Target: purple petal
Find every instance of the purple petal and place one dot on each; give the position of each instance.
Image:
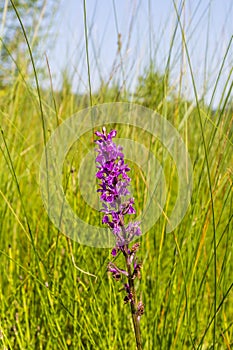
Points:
(112, 134)
(99, 159)
(99, 134)
(105, 219)
(114, 252)
(131, 210)
(99, 174)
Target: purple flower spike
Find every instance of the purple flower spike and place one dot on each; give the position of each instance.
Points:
(114, 182)
(116, 204)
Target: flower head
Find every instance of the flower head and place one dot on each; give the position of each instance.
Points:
(113, 188)
(112, 172)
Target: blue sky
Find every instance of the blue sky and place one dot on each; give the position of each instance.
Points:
(146, 29)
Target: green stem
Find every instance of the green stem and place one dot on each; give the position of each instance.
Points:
(135, 318)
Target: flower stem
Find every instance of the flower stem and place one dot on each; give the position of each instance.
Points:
(135, 318)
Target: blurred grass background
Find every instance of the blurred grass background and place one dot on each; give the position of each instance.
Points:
(47, 300)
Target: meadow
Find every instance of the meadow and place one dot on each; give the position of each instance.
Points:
(56, 293)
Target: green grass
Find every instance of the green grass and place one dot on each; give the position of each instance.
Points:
(55, 293)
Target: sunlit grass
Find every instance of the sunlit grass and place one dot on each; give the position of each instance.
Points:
(47, 302)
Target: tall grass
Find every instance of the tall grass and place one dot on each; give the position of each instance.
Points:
(55, 293)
